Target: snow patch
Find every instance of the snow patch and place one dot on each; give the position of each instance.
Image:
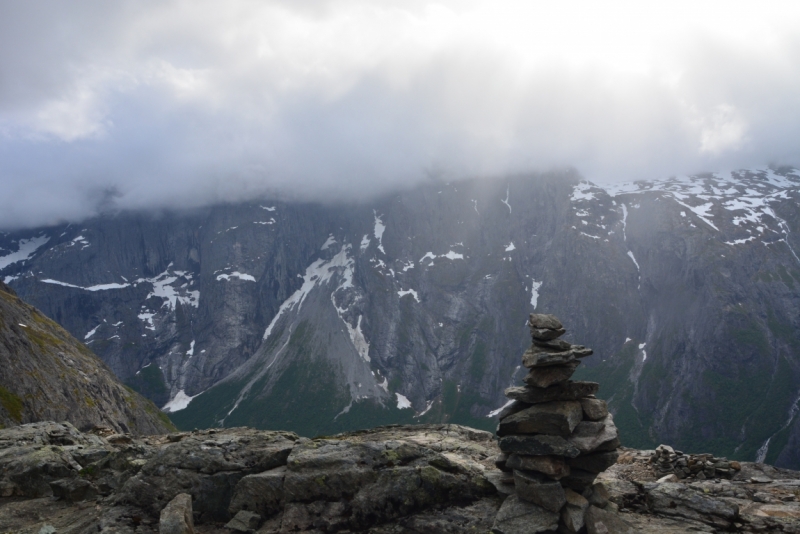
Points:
(330, 241)
(268, 208)
(510, 247)
(364, 242)
(494, 413)
(506, 201)
(237, 274)
(535, 292)
(316, 274)
(411, 292)
(91, 332)
(402, 402)
(378, 231)
(190, 352)
(147, 317)
(630, 255)
(179, 402)
(26, 249)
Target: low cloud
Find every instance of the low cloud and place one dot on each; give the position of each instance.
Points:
(175, 104)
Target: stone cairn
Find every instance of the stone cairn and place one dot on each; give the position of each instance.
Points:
(667, 461)
(555, 435)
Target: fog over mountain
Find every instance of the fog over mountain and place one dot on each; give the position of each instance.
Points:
(174, 104)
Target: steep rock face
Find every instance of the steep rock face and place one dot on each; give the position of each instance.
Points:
(324, 318)
(47, 375)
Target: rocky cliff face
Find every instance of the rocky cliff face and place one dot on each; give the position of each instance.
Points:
(48, 375)
(324, 318)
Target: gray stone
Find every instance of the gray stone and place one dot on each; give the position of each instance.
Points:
(578, 480)
(594, 409)
(542, 320)
(553, 466)
(539, 489)
(520, 517)
(596, 462)
(677, 499)
(599, 495)
(542, 377)
(556, 345)
(546, 334)
(557, 418)
(592, 435)
(244, 521)
(176, 517)
(564, 391)
(599, 521)
(73, 489)
(500, 462)
(572, 515)
(553, 353)
(261, 493)
(538, 446)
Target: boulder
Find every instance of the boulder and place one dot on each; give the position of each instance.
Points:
(545, 321)
(538, 446)
(594, 409)
(176, 517)
(592, 435)
(512, 408)
(261, 493)
(676, 499)
(520, 517)
(599, 521)
(596, 462)
(558, 392)
(542, 377)
(557, 418)
(553, 466)
(539, 489)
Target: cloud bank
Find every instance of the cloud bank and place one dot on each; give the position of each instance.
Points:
(154, 104)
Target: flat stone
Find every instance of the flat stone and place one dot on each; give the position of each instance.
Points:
(546, 334)
(556, 345)
(501, 461)
(668, 478)
(541, 320)
(538, 446)
(244, 521)
(176, 517)
(564, 391)
(592, 435)
(542, 377)
(596, 462)
(594, 409)
(540, 356)
(578, 480)
(552, 466)
(520, 517)
(557, 418)
(512, 408)
(539, 489)
(599, 521)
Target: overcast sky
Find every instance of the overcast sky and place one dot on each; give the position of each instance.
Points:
(183, 103)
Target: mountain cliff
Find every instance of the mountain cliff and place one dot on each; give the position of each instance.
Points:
(323, 318)
(48, 375)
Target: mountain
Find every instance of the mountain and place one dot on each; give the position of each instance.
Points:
(323, 318)
(46, 374)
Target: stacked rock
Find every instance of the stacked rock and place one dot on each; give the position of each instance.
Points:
(556, 437)
(667, 461)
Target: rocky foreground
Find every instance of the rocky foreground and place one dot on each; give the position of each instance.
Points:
(403, 479)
